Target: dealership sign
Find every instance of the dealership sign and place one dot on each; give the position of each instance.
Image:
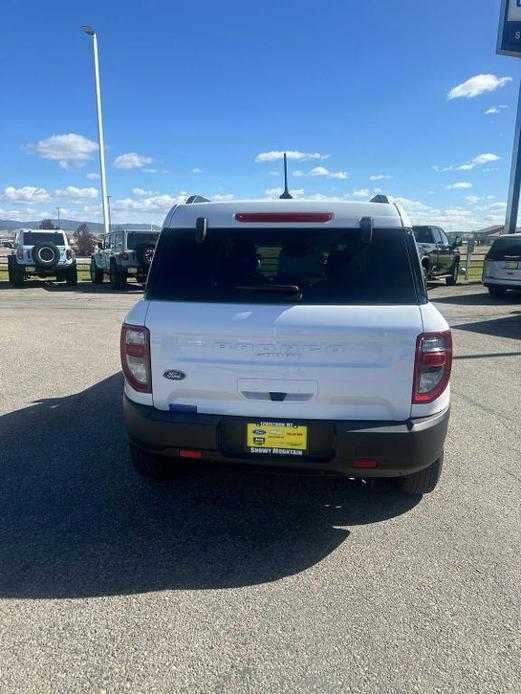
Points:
(509, 37)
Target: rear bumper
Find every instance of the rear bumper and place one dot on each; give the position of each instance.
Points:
(399, 448)
(507, 283)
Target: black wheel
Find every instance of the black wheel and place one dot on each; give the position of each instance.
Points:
(453, 279)
(16, 277)
(152, 466)
(424, 481)
(72, 277)
(497, 291)
(117, 277)
(45, 254)
(96, 275)
(145, 253)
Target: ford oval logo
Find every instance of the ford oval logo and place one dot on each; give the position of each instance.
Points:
(174, 375)
(259, 432)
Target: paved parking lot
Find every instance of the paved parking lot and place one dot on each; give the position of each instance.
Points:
(233, 582)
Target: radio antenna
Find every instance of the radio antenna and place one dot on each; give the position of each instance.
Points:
(286, 195)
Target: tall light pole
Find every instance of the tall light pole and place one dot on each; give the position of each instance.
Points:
(90, 32)
(59, 224)
(110, 216)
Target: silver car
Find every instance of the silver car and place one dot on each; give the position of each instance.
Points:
(502, 266)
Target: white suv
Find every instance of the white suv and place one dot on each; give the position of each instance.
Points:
(502, 265)
(42, 253)
(288, 333)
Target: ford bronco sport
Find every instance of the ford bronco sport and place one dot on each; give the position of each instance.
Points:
(42, 253)
(289, 333)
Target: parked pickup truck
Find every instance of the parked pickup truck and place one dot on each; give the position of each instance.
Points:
(440, 258)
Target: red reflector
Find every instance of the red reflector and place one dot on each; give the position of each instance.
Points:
(185, 453)
(124, 256)
(135, 350)
(431, 359)
(283, 217)
(365, 463)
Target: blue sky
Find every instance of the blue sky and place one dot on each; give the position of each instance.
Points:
(193, 93)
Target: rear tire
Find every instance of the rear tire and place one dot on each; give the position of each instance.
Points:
(16, 277)
(424, 481)
(152, 466)
(72, 277)
(453, 279)
(118, 279)
(497, 291)
(96, 275)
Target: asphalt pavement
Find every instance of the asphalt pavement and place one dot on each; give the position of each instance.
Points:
(232, 581)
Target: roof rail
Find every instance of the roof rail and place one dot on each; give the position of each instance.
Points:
(195, 198)
(380, 198)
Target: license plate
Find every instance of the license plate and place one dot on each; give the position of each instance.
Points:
(276, 438)
(30, 268)
(511, 265)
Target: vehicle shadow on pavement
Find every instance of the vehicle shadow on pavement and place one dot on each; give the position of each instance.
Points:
(81, 287)
(478, 299)
(508, 326)
(77, 521)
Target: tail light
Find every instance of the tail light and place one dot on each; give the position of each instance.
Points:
(432, 366)
(283, 217)
(124, 256)
(135, 357)
(20, 253)
(70, 253)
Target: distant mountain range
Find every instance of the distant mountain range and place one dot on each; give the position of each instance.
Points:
(70, 225)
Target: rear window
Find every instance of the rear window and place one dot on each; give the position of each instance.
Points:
(136, 238)
(423, 234)
(283, 266)
(504, 247)
(32, 237)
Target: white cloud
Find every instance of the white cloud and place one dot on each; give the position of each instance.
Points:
(93, 176)
(380, 177)
(150, 171)
(26, 194)
(273, 193)
(196, 170)
(479, 84)
(462, 185)
(362, 193)
(495, 109)
(64, 149)
(74, 193)
(141, 192)
(291, 154)
(131, 160)
(322, 171)
(222, 197)
(480, 160)
(412, 205)
(473, 199)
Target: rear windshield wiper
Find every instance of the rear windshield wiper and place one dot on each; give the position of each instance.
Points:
(292, 289)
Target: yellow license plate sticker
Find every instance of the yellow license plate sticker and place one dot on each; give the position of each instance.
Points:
(277, 438)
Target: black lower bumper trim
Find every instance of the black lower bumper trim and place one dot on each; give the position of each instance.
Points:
(399, 448)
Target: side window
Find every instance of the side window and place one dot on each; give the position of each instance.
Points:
(108, 241)
(444, 239)
(437, 235)
(119, 241)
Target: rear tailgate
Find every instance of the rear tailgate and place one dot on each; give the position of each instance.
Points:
(308, 362)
